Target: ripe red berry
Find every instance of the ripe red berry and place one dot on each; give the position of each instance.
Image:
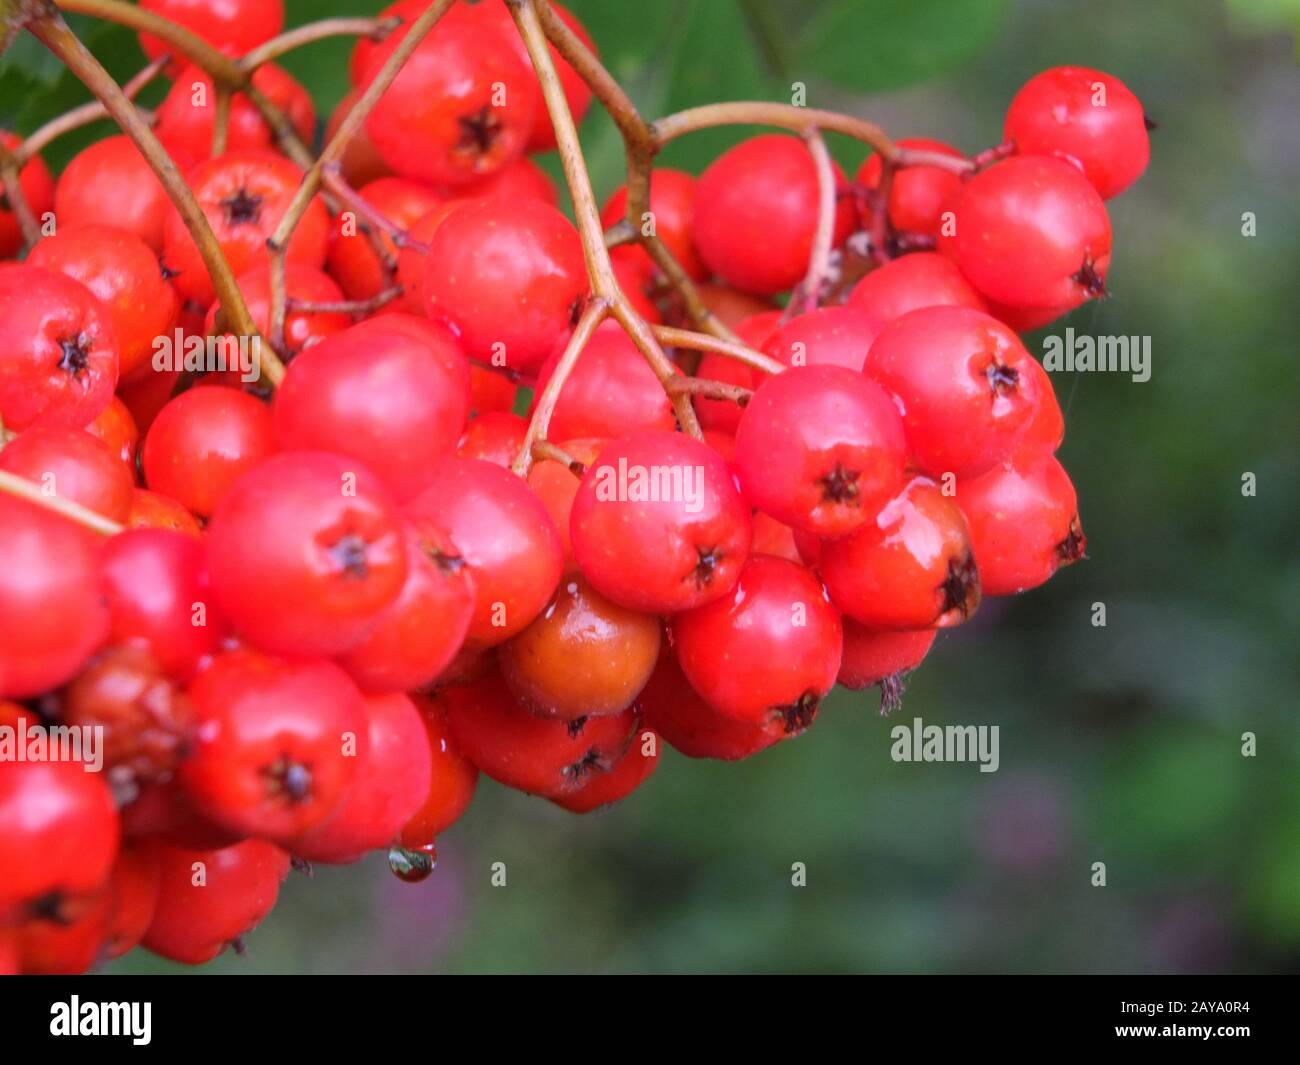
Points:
(117, 430)
(68, 940)
(451, 782)
(556, 485)
(38, 190)
(202, 442)
(841, 453)
(583, 654)
(829, 336)
(187, 117)
(210, 899)
(244, 195)
(521, 180)
(622, 778)
(392, 392)
(543, 756)
(462, 107)
(72, 465)
(277, 742)
(158, 597)
(756, 213)
(967, 388)
(361, 163)
(767, 653)
(305, 552)
(724, 415)
(417, 637)
(1024, 524)
(1085, 117)
(58, 352)
(51, 614)
(110, 179)
(153, 510)
(672, 203)
(1031, 231)
(352, 259)
(919, 194)
(60, 834)
(134, 884)
(504, 535)
(873, 656)
(233, 26)
(509, 278)
(302, 329)
(658, 525)
(611, 392)
(910, 282)
(391, 783)
(496, 437)
(909, 568)
(675, 710)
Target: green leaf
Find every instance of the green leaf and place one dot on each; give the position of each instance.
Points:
(883, 44)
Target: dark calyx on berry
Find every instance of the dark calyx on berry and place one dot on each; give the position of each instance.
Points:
(242, 208)
(76, 354)
(840, 485)
(797, 716)
(1003, 379)
(591, 762)
(891, 693)
(1093, 283)
(709, 559)
(290, 779)
(349, 554)
(446, 563)
(478, 131)
(961, 588)
(1072, 548)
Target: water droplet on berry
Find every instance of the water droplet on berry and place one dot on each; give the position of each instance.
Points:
(413, 864)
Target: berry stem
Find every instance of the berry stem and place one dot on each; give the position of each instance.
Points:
(11, 180)
(824, 239)
(763, 113)
(85, 114)
(221, 120)
(334, 181)
(599, 269)
(50, 29)
(25, 489)
(353, 307)
(597, 310)
(333, 153)
(685, 338)
(702, 386)
(374, 28)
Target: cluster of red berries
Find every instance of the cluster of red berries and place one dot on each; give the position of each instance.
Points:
(329, 609)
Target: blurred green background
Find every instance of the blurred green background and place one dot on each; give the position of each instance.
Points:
(1119, 744)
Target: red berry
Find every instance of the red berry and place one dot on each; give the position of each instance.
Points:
(58, 352)
(391, 783)
(392, 392)
(209, 899)
(496, 437)
(233, 26)
(462, 107)
(1031, 231)
(406, 12)
(756, 213)
(872, 656)
(509, 278)
(505, 536)
(352, 259)
(724, 415)
(38, 190)
(672, 203)
(967, 387)
(134, 884)
(153, 510)
(202, 442)
(158, 597)
(72, 465)
(612, 390)
(302, 329)
(361, 163)
(830, 336)
(910, 282)
(767, 653)
(657, 524)
(68, 940)
(117, 430)
(1086, 117)
(451, 783)
(583, 655)
(1024, 524)
(556, 485)
(244, 195)
(523, 179)
(417, 637)
(919, 194)
(674, 710)
(910, 568)
(277, 742)
(111, 179)
(51, 614)
(544, 756)
(841, 453)
(60, 834)
(622, 778)
(305, 553)
(186, 119)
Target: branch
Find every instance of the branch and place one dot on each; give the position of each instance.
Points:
(824, 238)
(353, 307)
(703, 386)
(25, 489)
(762, 113)
(684, 338)
(11, 179)
(595, 313)
(53, 32)
(374, 28)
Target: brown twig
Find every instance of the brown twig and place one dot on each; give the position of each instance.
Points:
(374, 28)
(703, 386)
(25, 489)
(357, 308)
(824, 239)
(11, 180)
(685, 338)
(544, 449)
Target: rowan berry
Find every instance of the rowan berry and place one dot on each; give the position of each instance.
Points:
(38, 191)
(232, 26)
(829, 336)
(918, 195)
(690, 725)
(134, 882)
(72, 465)
(910, 282)
(496, 437)
(153, 510)
(724, 414)
(352, 260)
(302, 328)
(619, 781)
(111, 179)
(451, 782)
(672, 209)
(873, 656)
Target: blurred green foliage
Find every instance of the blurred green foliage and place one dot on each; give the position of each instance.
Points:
(1120, 744)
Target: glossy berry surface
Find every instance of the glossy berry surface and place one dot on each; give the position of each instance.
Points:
(110, 179)
(918, 195)
(72, 465)
(690, 725)
(452, 779)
